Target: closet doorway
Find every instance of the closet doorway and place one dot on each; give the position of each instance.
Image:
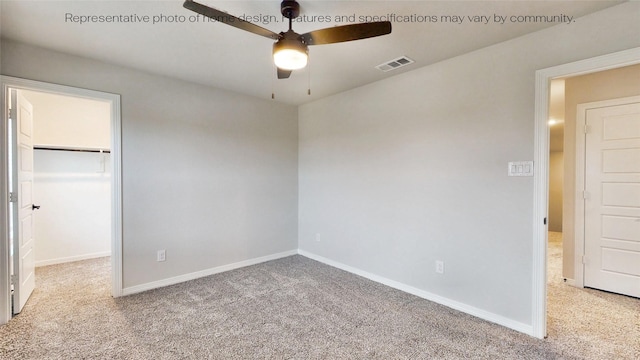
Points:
(71, 177)
(72, 162)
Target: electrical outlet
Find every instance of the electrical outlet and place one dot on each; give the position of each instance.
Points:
(162, 255)
(317, 237)
(440, 266)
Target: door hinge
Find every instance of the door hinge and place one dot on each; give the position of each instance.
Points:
(13, 197)
(13, 279)
(584, 259)
(585, 195)
(587, 129)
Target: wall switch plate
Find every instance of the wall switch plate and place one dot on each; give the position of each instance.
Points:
(521, 168)
(317, 237)
(162, 255)
(439, 266)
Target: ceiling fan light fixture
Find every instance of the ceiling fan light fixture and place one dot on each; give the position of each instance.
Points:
(290, 54)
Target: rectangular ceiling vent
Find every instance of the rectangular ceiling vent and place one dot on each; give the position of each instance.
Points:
(395, 64)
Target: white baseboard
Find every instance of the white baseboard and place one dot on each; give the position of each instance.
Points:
(203, 273)
(72, 258)
(482, 314)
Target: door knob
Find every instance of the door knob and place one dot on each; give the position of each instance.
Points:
(35, 207)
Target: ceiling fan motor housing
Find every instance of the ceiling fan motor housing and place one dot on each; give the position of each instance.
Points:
(290, 40)
(290, 9)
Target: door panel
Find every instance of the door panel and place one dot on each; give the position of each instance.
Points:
(621, 194)
(621, 227)
(620, 161)
(618, 127)
(24, 267)
(612, 207)
(621, 261)
(25, 194)
(26, 156)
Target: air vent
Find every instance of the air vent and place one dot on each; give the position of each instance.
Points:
(395, 64)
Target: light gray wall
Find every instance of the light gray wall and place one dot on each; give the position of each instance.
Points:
(209, 175)
(412, 169)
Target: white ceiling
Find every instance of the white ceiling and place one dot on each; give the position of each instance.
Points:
(218, 55)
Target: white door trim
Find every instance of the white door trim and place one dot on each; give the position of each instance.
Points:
(580, 179)
(541, 168)
(7, 82)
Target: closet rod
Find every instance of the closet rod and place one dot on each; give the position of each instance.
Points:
(71, 149)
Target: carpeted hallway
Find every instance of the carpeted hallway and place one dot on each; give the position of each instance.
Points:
(296, 308)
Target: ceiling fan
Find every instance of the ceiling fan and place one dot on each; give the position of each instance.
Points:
(290, 51)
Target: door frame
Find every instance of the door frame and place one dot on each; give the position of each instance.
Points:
(541, 168)
(8, 82)
(578, 215)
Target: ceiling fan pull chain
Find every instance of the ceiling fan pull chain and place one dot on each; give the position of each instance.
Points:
(309, 78)
(273, 95)
(273, 92)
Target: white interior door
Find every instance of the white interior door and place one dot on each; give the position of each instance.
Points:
(612, 204)
(24, 279)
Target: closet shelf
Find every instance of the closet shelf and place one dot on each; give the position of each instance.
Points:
(64, 148)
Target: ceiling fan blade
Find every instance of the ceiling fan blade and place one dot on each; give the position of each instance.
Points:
(283, 74)
(228, 19)
(347, 33)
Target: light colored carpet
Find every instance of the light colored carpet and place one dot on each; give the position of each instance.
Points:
(296, 308)
(602, 324)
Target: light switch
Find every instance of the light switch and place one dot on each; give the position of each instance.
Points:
(521, 168)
